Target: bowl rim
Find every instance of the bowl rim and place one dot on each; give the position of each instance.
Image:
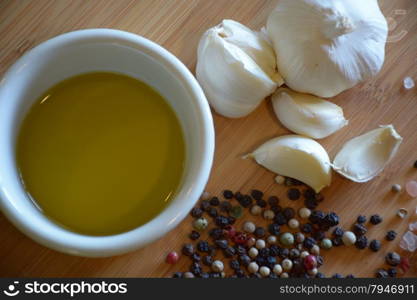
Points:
(102, 246)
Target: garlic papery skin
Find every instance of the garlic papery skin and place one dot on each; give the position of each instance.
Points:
(326, 47)
(297, 157)
(307, 114)
(236, 68)
(365, 156)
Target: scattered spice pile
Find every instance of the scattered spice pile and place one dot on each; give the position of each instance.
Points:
(289, 246)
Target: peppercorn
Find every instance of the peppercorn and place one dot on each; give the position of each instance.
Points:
(196, 269)
(277, 269)
(350, 276)
(315, 250)
(221, 221)
(273, 276)
(284, 275)
(274, 250)
(215, 275)
(232, 220)
(375, 245)
(256, 210)
(392, 272)
(361, 242)
(271, 261)
(253, 267)
(317, 216)
(222, 244)
(391, 235)
(205, 205)
(287, 239)
(196, 212)
(260, 244)
(286, 264)
(194, 235)
(338, 232)
(393, 259)
(326, 243)
(359, 229)
(280, 219)
(310, 262)
(245, 201)
(304, 213)
(225, 206)
(257, 194)
(381, 273)
(288, 212)
(337, 275)
(268, 214)
(236, 212)
(240, 238)
(259, 232)
(264, 252)
(227, 194)
(240, 250)
(349, 238)
(188, 249)
(207, 260)
(212, 212)
(261, 203)
(238, 196)
(204, 275)
(361, 219)
(196, 257)
(309, 242)
(319, 235)
(284, 252)
(293, 194)
(264, 271)
(178, 275)
(309, 193)
(251, 241)
(337, 241)
(229, 231)
(229, 251)
(234, 264)
(273, 201)
(244, 260)
(294, 253)
(332, 219)
(200, 224)
(203, 246)
(249, 227)
(306, 228)
(310, 203)
(375, 219)
(217, 266)
(239, 274)
(212, 250)
(299, 237)
(216, 233)
(172, 258)
(320, 275)
(293, 223)
(276, 209)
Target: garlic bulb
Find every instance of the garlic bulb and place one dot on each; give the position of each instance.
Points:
(236, 68)
(306, 114)
(365, 156)
(297, 157)
(326, 47)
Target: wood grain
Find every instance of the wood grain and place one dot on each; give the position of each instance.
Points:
(178, 25)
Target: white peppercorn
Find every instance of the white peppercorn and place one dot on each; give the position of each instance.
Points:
(313, 272)
(249, 227)
(264, 271)
(268, 214)
(277, 269)
(253, 267)
(315, 250)
(304, 213)
(272, 240)
(253, 252)
(293, 223)
(304, 254)
(260, 244)
(188, 275)
(217, 266)
(284, 275)
(286, 264)
(280, 179)
(287, 239)
(349, 238)
(256, 210)
(200, 224)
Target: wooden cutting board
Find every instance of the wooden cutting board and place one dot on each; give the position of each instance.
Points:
(178, 25)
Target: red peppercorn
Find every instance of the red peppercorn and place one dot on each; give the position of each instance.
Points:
(240, 238)
(172, 258)
(404, 264)
(310, 262)
(229, 231)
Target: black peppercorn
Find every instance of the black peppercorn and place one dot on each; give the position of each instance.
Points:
(310, 203)
(205, 205)
(284, 252)
(271, 261)
(273, 276)
(203, 246)
(212, 212)
(276, 209)
(238, 196)
(239, 273)
(361, 242)
(320, 275)
(178, 275)
(207, 260)
(280, 219)
(194, 235)
(257, 194)
(244, 260)
(309, 242)
(391, 235)
(337, 241)
(337, 275)
(216, 233)
(188, 249)
(204, 275)
(293, 194)
(196, 257)
(288, 212)
(215, 275)
(320, 260)
(392, 272)
(264, 252)
(240, 250)
(375, 245)
(274, 250)
(359, 229)
(306, 228)
(225, 206)
(234, 264)
(294, 253)
(381, 273)
(393, 259)
(309, 193)
(332, 219)
(196, 269)
(214, 201)
(261, 203)
(261, 261)
(221, 221)
(255, 275)
(229, 251)
(316, 217)
(273, 201)
(259, 232)
(375, 219)
(274, 228)
(350, 276)
(227, 194)
(222, 244)
(231, 220)
(338, 232)
(196, 212)
(212, 250)
(319, 235)
(361, 219)
(245, 201)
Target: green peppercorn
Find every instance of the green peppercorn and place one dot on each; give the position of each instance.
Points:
(287, 239)
(326, 243)
(236, 212)
(200, 224)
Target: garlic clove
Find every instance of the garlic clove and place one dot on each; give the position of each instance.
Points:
(236, 68)
(306, 114)
(297, 157)
(364, 157)
(326, 47)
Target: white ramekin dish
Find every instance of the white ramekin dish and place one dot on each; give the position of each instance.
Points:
(102, 50)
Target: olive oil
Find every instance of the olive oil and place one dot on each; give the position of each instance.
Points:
(101, 153)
